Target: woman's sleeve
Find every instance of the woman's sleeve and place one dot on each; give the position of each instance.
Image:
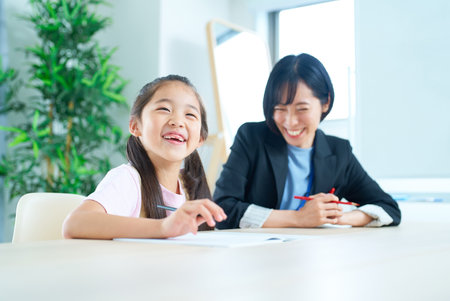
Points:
(234, 178)
(362, 189)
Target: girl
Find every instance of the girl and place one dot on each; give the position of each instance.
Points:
(167, 124)
(287, 156)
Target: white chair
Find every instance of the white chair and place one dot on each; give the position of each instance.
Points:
(39, 216)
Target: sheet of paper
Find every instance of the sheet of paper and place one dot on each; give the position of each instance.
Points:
(334, 226)
(223, 239)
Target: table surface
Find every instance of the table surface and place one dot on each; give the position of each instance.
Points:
(409, 262)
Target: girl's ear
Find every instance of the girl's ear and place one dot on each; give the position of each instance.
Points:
(134, 127)
(200, 143)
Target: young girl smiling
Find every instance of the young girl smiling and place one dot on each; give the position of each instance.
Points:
(167, 125)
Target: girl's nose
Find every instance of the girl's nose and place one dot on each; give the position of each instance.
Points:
(175, 122)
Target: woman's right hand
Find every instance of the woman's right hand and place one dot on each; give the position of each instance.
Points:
(318, 211)
(190, 215)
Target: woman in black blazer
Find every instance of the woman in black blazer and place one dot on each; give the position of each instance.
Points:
(288, 155)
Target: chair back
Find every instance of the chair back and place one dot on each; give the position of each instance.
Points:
(40, 215)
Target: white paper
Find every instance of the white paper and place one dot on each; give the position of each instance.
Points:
(223, 239)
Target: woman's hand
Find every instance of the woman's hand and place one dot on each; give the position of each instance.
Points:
(190, 215)
(318, 211)
(355, 218)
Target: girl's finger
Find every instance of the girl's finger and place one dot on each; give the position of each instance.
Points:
(193, 226)
(216, 210)
(206, 214)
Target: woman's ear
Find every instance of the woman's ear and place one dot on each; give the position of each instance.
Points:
(326, 106)
(133, 127)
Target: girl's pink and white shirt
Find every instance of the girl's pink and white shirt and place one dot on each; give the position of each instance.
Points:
(119, 192)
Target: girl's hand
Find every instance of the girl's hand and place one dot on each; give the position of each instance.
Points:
(319, 211)
(190, 215)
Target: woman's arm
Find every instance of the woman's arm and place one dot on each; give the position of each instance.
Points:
(90, 220)
(230, 191)
(355, 218)
(316, 212)
(362, 189)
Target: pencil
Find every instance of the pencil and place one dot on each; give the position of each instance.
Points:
(307, 198)
(166, 207)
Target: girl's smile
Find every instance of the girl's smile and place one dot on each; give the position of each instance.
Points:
(174, 137)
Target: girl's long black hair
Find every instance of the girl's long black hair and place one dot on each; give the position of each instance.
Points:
(193, 175)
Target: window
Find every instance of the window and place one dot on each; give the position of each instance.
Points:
(326, 31)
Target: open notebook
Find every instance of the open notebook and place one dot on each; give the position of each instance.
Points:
(223, 239)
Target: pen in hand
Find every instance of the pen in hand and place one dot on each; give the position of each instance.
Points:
(166, 207)
(307, 198)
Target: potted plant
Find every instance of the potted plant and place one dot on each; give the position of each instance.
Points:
(63, 136)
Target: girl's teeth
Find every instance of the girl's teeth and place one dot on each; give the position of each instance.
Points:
(174, 138)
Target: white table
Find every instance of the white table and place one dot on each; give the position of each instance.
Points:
(409, 262)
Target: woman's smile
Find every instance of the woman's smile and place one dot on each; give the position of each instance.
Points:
(294, 133)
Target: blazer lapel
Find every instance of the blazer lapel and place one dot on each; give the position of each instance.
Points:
(324, 165)
(276, 150)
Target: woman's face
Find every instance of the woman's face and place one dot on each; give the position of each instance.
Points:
(298, 121)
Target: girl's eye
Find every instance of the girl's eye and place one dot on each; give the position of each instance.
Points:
(279, 109)
(163, 109)
(191, 115)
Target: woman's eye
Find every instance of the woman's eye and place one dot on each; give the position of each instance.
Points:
(279, 109)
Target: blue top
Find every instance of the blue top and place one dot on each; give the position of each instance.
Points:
(299, 177)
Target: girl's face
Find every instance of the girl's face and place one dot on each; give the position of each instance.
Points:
(170, 123)
(299, 120)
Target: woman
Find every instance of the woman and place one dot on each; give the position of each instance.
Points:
(287, 156)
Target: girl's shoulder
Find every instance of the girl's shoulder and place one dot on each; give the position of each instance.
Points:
(124, 171)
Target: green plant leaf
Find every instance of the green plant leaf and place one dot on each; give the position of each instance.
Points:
(65, 10)
(115, 97)
(35, 120)
(35, 149)
(22, 137)
(11, 129)
(43, 133)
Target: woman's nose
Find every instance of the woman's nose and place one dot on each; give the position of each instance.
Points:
(291, 118)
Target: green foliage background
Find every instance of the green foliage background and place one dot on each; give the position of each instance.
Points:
(64, 137)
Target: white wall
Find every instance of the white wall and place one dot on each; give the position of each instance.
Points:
(402, 75)
(183, 44)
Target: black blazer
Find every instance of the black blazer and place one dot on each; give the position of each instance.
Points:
(256, 170)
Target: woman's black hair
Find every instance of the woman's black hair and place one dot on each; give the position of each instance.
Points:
(193, 175)
(286, 74)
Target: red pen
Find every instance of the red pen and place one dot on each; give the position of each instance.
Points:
(307, 198)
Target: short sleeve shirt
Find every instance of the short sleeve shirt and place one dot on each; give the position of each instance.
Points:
(119, 192)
